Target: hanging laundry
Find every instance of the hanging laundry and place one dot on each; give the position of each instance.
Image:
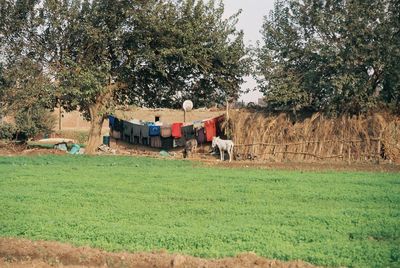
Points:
(155, 142)
(176, 130)
(111, 121)
(127, 133)
(154, 130)
(179, 142)
(200, 136)
(188, 132)
(211, 130)
(144, 135)
(136, 134)
(198, 124)
(166, 131)
(117, 125)
(121, 128)
(116, 134)
(167, 143)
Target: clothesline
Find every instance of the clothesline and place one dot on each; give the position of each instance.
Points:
(162, 136)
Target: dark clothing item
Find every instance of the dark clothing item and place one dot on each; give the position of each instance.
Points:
(154, 130)
(134, 133)
(144, 135)
(111, 121)
(117, 125)
(144, 131)
(155, 142)
(167, 143)
(136, 130)
(121, 128)
(126, 134)
(220, 131)
(188, 132)
(201, 136)
(180, 142)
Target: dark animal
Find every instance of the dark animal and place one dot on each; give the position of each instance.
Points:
(190, 148)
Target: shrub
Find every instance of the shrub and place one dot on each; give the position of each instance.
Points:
(7, 131)
(33, 121)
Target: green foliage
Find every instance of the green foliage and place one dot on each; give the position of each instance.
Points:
(142, 204)
(7, 131)
(34, 120)
(333, 56)
(99, 54)
(27, 94)
(192, 53)
(81, 136)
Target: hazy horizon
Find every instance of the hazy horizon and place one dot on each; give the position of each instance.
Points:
(250, 21)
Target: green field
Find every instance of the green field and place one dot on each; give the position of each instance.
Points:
(143, 204)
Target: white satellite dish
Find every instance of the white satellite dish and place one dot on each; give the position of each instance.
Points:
(187, 105)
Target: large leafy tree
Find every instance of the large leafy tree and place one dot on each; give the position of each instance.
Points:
(192, 53)
(25, 89)
(98, 54)
(333, 56)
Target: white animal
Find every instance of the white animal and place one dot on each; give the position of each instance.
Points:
(223, 145)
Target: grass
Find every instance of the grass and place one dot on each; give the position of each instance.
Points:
(142, 204)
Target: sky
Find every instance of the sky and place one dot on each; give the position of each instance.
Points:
(250, 21)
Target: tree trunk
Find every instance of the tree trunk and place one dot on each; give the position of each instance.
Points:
(96, 124)
(97, 115)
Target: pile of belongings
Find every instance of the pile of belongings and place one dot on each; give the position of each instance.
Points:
(63, 144)
(165, 136)
(106, 149)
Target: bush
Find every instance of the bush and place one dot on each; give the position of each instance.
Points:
(7, 131)
(33, 121)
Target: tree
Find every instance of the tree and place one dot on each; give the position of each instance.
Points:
(97, 54)
(192, 53)
(153, 53)
(28, 95)
(331, 56)
(25, 90)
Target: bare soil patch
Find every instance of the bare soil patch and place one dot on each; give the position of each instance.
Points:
(26, 253)
(204, 157)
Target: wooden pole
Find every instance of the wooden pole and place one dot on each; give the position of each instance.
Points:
(59, 115)
(227, 130)
(227, 109)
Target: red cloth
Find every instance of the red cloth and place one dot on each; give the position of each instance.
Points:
(176, 130)
(211, 129)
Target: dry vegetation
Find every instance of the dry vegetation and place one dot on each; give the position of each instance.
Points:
(353, 139)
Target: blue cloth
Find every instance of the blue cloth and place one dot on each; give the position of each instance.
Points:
(154, 130)
(111, 121)
(75, 149)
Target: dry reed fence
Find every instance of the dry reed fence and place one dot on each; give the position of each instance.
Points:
(278, 138)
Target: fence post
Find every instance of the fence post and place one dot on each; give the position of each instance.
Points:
(349, 153)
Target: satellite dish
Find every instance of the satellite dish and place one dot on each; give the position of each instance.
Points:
(187, 105)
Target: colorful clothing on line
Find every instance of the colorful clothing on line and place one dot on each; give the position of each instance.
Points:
(166, 131)
(210, 128)
(176, 130)
(188, 132)
(154, 130)
(201, 136)
(155, 142)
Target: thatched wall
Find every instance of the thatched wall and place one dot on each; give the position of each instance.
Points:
(278, 138)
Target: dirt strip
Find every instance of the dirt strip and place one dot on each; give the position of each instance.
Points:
(26, 253)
